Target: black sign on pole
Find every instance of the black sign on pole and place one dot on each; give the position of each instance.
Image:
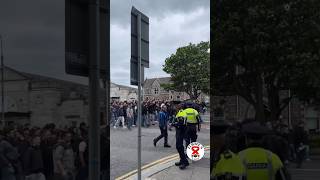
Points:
(77, 37)
(134, 73)
(134, 45)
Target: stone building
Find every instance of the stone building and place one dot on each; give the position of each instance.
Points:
(38, 100)
(152, 90)
(236, 108)
(121, 93)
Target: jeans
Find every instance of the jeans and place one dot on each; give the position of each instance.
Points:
(292, 152)
(164, 134)
(129, 122)
(307, 152)
(113, 119)
(200, 119)
(152, 118)
(156, 115)
(145, 121)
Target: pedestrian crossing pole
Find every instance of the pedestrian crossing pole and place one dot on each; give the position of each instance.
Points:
(289, 109)
(139, 96)
(94, 90)
(2, 86)
(139, 40)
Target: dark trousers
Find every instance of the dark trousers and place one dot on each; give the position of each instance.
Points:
(191, 134)
(180, 132)
(83, 173)
(135, 119)
(164, 134)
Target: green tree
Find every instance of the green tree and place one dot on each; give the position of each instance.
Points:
(189, 69)
(262, 47)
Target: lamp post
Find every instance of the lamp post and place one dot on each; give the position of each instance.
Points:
(237, 97)
(2, 86)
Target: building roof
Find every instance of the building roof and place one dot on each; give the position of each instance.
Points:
(65, 86)
(125, 87)
(163, 80)
(41, 78)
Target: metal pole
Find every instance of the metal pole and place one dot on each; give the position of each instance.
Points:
(2, 86)
(94, 85)
(237, 107)
(237, 73)
(289, 109)
(108, 87)
(139, 96)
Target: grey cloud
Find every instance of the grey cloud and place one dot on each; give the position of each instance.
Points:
(166, 35)
(152, 8)
(33, 31)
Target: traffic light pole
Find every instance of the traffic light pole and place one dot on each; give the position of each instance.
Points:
(2, 86)
(94, 85)
(139, 96)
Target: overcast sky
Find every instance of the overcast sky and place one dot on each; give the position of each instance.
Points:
(33, 33)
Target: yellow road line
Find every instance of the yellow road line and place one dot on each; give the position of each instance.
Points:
(167, 158)
(159, 161)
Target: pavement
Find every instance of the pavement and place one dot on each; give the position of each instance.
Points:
(158, 162)
(123, 148)
(164, 169)
(197, 170)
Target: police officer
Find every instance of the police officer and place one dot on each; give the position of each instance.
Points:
(225, 164)
(260, 163)
(180, 124)
(193, 123)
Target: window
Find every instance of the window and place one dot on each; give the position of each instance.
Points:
(156, 91)
(72, 116)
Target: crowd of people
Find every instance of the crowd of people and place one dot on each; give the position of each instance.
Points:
(291, 145)
(251, 149)
(31, 153)
(124, 113)
(52, 153)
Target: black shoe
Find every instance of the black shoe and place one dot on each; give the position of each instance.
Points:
(183, 166)
(154, 143)
(178, 163)
(167, 146)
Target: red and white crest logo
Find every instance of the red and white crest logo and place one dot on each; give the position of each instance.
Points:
(195, 151)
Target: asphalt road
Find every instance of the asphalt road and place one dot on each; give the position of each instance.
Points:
(123, 146)
(310, 170)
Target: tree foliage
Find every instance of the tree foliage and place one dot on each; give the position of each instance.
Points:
(262, 47)
(189, 69)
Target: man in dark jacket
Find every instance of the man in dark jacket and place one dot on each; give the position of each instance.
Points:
(47, 146)
(300, 141)
(8, 156)
(32, 160)
(163, 124)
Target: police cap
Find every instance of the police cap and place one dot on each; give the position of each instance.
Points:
(254, 129)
